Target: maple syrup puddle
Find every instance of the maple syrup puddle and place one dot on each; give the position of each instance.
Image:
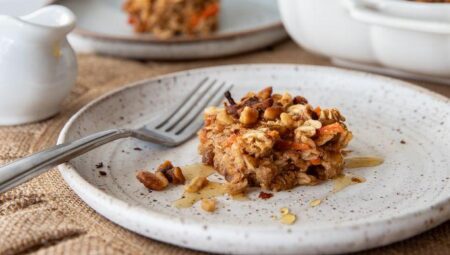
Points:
(216, 189)
(213, 189)
(357, 162)
(196, 170)
(240, 197)
(345, 180)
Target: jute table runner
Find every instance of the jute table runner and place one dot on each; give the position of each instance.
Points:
(45, 217)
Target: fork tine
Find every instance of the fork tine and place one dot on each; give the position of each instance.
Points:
(186, 108)
(165, 120)
(191, 126)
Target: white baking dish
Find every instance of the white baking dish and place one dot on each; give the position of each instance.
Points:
(324, 27)
(403, 35)
(408, 36)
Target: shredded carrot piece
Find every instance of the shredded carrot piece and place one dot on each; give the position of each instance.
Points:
(318, 110)
(315, 162)
(229, 141)
(209, 11)
(300, 146)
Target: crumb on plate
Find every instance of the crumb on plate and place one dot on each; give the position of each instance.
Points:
(209, 204)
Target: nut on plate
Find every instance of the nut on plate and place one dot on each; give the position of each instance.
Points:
(209, 204)
(152, 181)
(173, 174)
(165, 173)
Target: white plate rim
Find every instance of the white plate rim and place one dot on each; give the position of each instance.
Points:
(440, 210)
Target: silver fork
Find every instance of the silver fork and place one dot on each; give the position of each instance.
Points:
(171, 129)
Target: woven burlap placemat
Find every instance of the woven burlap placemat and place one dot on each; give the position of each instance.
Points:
(44, 216)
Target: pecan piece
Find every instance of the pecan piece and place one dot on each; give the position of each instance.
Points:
(152, 181)
(272, 113)
(173, 174)
(265, 93)
(166, 165)
(249, 116)
(300, 100)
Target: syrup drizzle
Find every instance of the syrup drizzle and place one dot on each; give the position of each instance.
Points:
(357, 162)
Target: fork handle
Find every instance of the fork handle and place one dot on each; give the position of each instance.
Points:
(22, 170)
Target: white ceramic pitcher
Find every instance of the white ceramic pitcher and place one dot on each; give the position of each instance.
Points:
(37, 65)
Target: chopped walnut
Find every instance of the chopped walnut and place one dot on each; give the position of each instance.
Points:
(173, 174)
(209, 204)
(285, 100)
(272, 113)
(153, 181)
(287, 120)
(165, 173)
(265, 93)
(249, 116)
(224, 118)
(300, 100)
(197, 184)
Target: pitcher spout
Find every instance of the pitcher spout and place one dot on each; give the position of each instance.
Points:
(58, 20)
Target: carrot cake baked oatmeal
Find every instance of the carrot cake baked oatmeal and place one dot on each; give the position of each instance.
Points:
(273, 141)
(168, 18)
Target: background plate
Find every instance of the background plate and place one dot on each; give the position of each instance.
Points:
(406, 195)
(244, 25)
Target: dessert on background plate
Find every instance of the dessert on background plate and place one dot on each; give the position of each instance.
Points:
(168, 18)
(169, 29)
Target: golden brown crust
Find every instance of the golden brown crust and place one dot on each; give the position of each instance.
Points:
(273, 141)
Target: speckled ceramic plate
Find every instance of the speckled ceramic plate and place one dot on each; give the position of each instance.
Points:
(408, 194)
(244, 25)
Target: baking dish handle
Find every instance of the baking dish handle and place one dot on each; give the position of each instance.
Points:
(369, 12)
